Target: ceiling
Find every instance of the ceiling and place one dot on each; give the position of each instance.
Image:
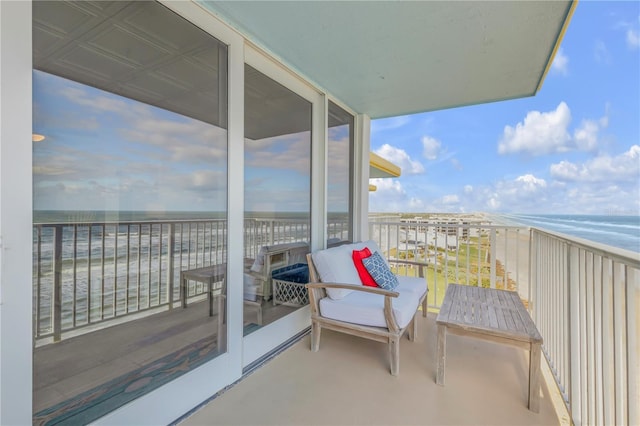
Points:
(140, 50)
(389, 58)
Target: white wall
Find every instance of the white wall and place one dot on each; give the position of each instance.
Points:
(15, 213)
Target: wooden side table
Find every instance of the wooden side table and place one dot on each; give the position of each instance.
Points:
(494, 315)
(207, 275)
(210, 275)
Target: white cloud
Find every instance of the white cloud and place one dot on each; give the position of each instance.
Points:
(540, 133)
(430, 147)
(586, 136)
(530, 182)
(390, 196)
(455, 163)
(560, 63)
(400, 158)
(601, 53)
(389, 123)
(604, 168)
(548, 132)
(633, 39)
(450, 199)
(468, 189)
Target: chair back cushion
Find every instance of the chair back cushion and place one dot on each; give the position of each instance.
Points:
(335, 265)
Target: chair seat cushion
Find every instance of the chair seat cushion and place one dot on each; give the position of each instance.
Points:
(368, 309)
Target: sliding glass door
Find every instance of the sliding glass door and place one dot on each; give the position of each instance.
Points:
(277, 200)
(130, 203)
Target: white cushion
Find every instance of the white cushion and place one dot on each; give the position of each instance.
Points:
(415, 285)
(368, 309)
(250, 288)
(258, 264)
(335, 265)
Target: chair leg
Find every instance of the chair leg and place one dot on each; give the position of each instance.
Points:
(424, 306)
(394, 354)
(413, 328)
(315, 336)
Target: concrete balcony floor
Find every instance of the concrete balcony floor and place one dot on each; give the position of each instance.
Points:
(347, 382)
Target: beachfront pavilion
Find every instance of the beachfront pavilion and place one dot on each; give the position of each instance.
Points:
(237, 88)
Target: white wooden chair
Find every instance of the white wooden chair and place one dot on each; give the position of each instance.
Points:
(369, 312)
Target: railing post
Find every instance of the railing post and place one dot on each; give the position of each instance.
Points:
(38, 313)
(57, 284)
(271, 231)
(533, 264)
(575, 400)
(633, 374)
(170, 267)
(492, 248)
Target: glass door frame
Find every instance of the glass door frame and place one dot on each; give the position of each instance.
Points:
(268, 338)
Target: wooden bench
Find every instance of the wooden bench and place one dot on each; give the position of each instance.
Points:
(494, 315)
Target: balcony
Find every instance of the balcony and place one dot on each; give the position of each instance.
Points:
(582, 296)
(347, 382)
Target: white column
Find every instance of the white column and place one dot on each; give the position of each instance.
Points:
(361, 181)
(15, 214)
(319, 153)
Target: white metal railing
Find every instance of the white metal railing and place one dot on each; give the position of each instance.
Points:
(88, 273)
(585, 299)
(474, 254)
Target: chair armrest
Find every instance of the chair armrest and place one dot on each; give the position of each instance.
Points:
(355, 287)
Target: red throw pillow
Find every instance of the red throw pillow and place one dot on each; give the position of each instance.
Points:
(365, 276)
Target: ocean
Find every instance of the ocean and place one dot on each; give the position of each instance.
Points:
(617, 231)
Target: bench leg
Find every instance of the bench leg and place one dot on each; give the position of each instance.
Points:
(442, 348)
(394, 354)
(534, 377)
(315, 336)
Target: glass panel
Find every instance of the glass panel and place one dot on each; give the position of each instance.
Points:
(277, 200)
(339, 177)
(129, 196)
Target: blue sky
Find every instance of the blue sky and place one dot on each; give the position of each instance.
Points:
(573, 148)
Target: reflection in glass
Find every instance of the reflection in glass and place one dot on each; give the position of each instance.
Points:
(277, 199)
(339, 176)
(129, 198)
